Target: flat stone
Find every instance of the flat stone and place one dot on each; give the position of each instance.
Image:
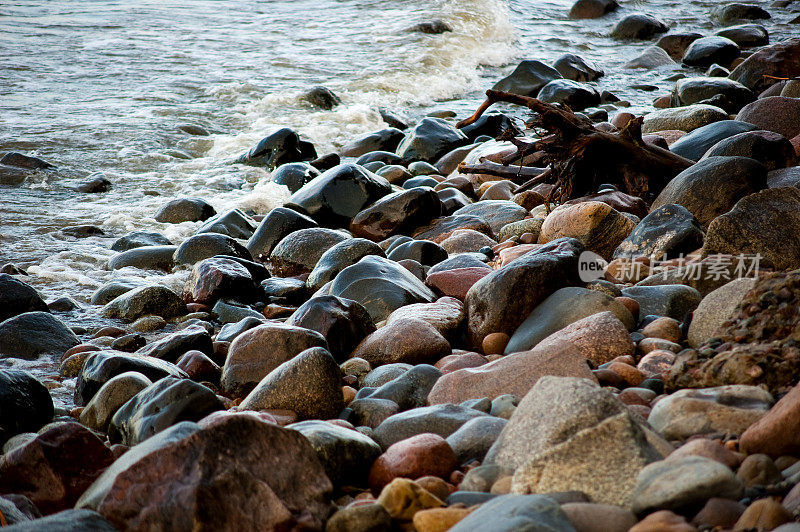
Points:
(686, 118)
(31, 334)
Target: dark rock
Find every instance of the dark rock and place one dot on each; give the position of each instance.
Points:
(756, 225)
(308, 384)
(333, 198)
(668, 231)
(434, 27)
(160, 406)
(185, 210)
(293, 175)
(575, 95)
(409, 389)
(397, 213)
(145, 258)
(55, 467)
(696, 90)
(675, 44)
(114, 289)
(380, 285)
(511, 513)
(25, 403)
(63, 304)
(452, 200)
(711, 187)
(233, 459)
(528, 78)
(279, 223)
(174, 345)
(385, 157)
(95, 184)
(496, 213)
(343, 323)
(321, 97)
(383, 374)
(491, 124)
(338, 257)
(429, 140)
(218, 278)
(443, 420)
(258, 351)
(638, 26)
(576, 68)
(746, 35)
(31, 334)
(66, 521)
(385, 140)
(674, 300)
(345, 454)
(233, 223)
(372, 412)
(694, 144)
(733, 12)
(784, 177)
(781, 60)
(230, 331)
(592, 8)
(144, 301)
(771, 149)
(423, 251)
(774, 113)
(199, 247)
(500, 301)
(409, 340)
(102, 366)
(82, 231)
(19, 160)
(138, 239)
(474, 438)
(709, 50)
(17, 297)
(285, 290)
(300, 251)
(199, 367)
(280, 147)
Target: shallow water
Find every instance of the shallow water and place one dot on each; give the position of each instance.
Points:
(104, 86)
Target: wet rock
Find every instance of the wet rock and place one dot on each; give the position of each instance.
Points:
(753, 225)
(102, 366)
(638, 26)
(576, 68)
(500, 301)
(418, 456)
(565, 307)
(405, 340)
(509, 513)
(384, 140)
(380, 285)
(601, 338)
(138, 239)
(496, 213)
(709, 50)
(443, 420)
(55, 467)
(674, 301)
(571, 93)
(446, 315)
(433, 27)
(218, 278)
(25, 403)
(145, 258)
(372, 412)
(745, 35)
(444, 227)
(185, 210)
(686, 118)
(17, 297)
(234, 223)
(397, 213)
(260, 350)
(31, 334)
(280, 147)
(308, 384)
(701, 89)
(491, 124)
(780, 60)
(562, 437)
(345, 454)
(424, 252)
(695, 144)
(513, 374)
(597, 226)
(278, 224)
(343, 322)
(775, 434)
(409, 389)
(473, 440)
(592, 8)
(114, 289)
(724, 409)
(651, 58)
(771, 149)
(378, 159)
(712, 187)
(338, 194)
(668, 231)
(528, 78)
(682, 483)
(338, 257)
(143, 301)
(236, 458)
(774, 113)
(321, 97)
(675, 44)
(429, 140)
(733, 12)
(204, 246)
(110, 397)
(173, 346)
(300, 251)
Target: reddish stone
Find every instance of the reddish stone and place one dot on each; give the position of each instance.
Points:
(218, 277)
(722, 513)
(419, 456)
(457, 282)
(606, 377)
(54, 468)
(656, 363)
(455, 362)
(408, 340)
(495, 343)
(199, 366)
(712, 449)
(642, 410)
(664, 328)
(632, 398)
(514, 252)
(778, 432)
(631, 375)
(197, 307)
(111, 331)
(82, 348)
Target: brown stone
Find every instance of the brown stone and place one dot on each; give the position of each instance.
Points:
(596, 225)
(665, 328)
(663, 521)
(774, 113)
(466, 241)
(403, 498)
(442, 228)
(439, 519)
(455, 362)
(718, 512)
(706, 448)
(435, 485)
(631, 375)
(515, 374)
(218, 277)
(456, 282)
(600, 338)
(778, 432)
(407, 340)
(593, 517)
(656, 363)
(199, 367)
(763, 514)
(419, 456)
(495, 343)
(759, 470)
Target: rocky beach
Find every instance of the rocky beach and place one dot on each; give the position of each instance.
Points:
(497, 267)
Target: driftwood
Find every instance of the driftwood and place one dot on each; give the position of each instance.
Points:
(579, 158)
